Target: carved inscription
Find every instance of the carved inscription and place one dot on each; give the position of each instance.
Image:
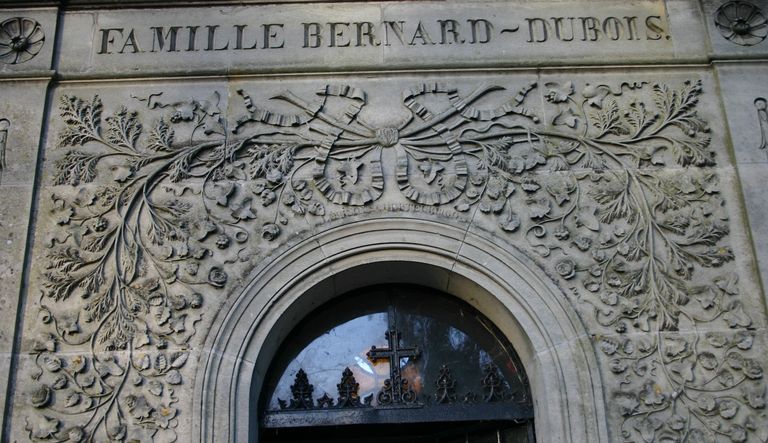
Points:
(568, 29)
(448, 31)
(615, 192)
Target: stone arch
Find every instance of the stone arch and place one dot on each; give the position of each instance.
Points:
(498, 280)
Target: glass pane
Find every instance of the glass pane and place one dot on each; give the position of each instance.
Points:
(461, 358)
(326, 357)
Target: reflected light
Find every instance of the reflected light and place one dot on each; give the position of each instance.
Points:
(363, 365)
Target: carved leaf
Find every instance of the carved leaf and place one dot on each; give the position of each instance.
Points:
(123, 129)
(76, 167)
(82, 120)
(161, 137)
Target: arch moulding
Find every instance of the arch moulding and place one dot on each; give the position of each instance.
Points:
(498, 280)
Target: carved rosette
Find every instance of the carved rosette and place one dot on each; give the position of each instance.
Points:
(741, 22)
(615, 193)
(21, 39)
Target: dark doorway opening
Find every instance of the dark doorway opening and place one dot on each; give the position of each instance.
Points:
(396, 363)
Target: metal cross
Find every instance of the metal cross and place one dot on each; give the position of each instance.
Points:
(396, 389)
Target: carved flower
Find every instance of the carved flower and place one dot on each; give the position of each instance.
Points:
(716, 339)
(267, 197)
(274, 176)
(744, 340)
(539, 208)
(726, 378)
(101, 224)
(735, 360)
(652, 394)
(60, 382)
(195, 301)
(270, 231)
(217, 277)
(609, 298)
(608, 345)
(138, 406)
(674, 346)
(647, 426)
(566, 268)
(222, 241)
(755, 397)
(562, 233)
(69, 323)
(707, 360)
(511, 223)
(752, 369)
(259, 186)
(164, 415)
(677, 422)
(583, 242)
(117, 432)
(45, 342)
(558, 93)
(76, 434)
(738, 434)
(316, 208)
(192, 268)
(200, 229)
(706, 403)
(46, 428)
(741, 22)
(41, 396)
(184, 111)
(728, 408)
(21, 39)
(617, 366)
(627, 403)
(77, 363)
(561, 188)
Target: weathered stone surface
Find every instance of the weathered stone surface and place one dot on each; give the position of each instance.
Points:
(27, 41)
(21, 113)
(392, 35)
(744, 96)
(183, 226)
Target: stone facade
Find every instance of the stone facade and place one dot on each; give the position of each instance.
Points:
(182, 184)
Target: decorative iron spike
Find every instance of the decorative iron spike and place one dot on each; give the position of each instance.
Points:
(445, 385)
(302, 392)
(348, 391)
(493, 384)
(325, 402)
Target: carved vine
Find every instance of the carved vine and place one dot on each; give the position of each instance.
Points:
(615, 193)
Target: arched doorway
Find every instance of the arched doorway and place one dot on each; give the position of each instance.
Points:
(496, 279)
(396, 363)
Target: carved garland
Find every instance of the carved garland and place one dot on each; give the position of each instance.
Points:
(615, 193)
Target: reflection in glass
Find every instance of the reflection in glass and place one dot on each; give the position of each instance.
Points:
(448, 334)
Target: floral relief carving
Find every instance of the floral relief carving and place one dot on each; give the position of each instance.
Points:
(741, 22)
(21, 39)
(614, 190)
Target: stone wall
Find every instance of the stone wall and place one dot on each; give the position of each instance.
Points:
(157, 161)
